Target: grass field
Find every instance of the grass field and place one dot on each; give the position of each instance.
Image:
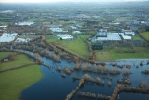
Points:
(136, 38)
(145, 35)
(14, 81)
(80, 47)
(4, 54)
(77, 46)
(109, 54)
(20, 60)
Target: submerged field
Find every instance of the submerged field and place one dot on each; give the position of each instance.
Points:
(14, 81)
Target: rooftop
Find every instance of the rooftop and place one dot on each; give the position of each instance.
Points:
(24, 23)
(110, 36)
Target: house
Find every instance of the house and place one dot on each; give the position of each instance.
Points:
(5, 60)
(58, 30)
(72, 27)
(102, 33)
(125, 37)
(65, 37)
(76, 32)
(128, 32)
(24, 23)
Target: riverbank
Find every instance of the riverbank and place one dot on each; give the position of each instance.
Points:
(14, 81)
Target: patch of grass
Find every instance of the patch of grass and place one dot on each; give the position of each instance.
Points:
(27, 36)
(4, 54)
(136, 38)
(77, 46)
(5, 23)
(36, 19)
(109, 54)
(145, 35)
(20, 60)
(13, 82)
(103, 56)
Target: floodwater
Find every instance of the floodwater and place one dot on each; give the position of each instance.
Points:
(53, 87)
(133, 96)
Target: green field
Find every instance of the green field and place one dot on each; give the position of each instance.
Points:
(80, 47)
(20, 60)
(4, 54)
(145, 35)
(77, 46)
(14, 81)
(109, 54)
(136, 38)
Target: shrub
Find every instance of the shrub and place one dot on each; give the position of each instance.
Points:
(115, 71)
(58, 68)
(126, 71)
(128, 66)
(68, 70)
(98, 80)
(141, 63)
(109, 83)
(143, 84)
(63, 75)
(77, 66)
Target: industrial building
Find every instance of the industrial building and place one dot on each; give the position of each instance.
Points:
(65, 37)
(103, 35)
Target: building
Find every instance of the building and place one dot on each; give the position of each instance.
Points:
(102, 33)
(73, 27)
(76, 32)
(8, 37)
(128, 32)
(24, 23)
(97, 46)
(58, 30)
(125, 37)
(65, 37)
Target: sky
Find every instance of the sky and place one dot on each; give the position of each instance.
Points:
(38, 1)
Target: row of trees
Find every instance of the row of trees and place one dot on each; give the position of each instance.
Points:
(87, 67)
(121, 88)
(69, 96)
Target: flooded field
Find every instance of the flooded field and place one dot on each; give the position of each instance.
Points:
(54, 87)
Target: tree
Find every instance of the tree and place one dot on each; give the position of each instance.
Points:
(12, 57)
(126, 71)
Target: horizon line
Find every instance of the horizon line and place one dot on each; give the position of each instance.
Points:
(75, 2)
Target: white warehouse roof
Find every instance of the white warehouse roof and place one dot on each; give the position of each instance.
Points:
(130, 33)
(110, 36)
(126, 37)
(65, 37)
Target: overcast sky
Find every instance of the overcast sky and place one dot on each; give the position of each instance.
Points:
(37, 1)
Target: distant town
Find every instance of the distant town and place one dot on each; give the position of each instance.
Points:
(44, 46)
